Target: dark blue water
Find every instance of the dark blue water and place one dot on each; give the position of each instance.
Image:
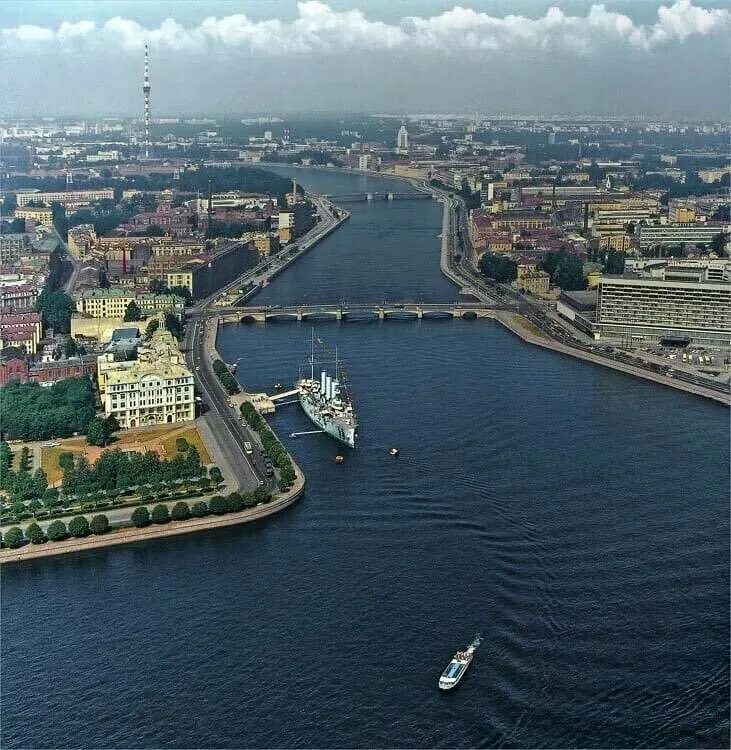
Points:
(577, 517)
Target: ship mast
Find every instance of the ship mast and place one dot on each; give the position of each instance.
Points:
(312, 353)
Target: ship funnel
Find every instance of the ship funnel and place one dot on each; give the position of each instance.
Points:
(335, 389)
(328, 388)
(322, 382)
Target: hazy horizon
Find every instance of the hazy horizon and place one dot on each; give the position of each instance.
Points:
(246, 58)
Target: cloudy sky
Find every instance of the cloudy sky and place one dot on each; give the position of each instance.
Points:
(77, 57)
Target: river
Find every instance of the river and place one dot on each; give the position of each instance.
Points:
(577, 517)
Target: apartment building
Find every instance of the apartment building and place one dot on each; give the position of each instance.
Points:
(113, 302)
(156, 389)
(669, 234)
(38, 214)
(657, 308)
(65, 197)
(22, 329)
(81, 240)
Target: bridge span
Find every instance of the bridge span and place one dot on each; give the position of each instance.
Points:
(359, 311)
(380, 196)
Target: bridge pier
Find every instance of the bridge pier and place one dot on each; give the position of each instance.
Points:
(419, 313)
(381, 314)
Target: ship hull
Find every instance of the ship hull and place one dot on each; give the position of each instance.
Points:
(343, 433)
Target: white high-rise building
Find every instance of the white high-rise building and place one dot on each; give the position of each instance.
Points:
(402, 139)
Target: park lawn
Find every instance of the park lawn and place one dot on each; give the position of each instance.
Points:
(165, 435)
(192, 435)
(49, 458)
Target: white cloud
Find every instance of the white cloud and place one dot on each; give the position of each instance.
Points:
(320, 29)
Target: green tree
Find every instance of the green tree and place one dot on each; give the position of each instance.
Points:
(96, 432)
(180, 512)
(152, 326)
(569, 274)
(141, 517)
(497, 266)
(69, 348)
(79, 526)
(718, 243)
(199, 509)
(133, 312)
(56, 531)
(56, 308)
(614, 263)
(34, 533)
(160, 514)
(234, 502)
(215, 474)
(181, 445)
(262, 495)
(218, 505)
(13, 537)
(99, 524)
(60, 223)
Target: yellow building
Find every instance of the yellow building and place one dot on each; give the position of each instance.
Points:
(156, 389)
(180, 278)
(265, 243)
(713, 175)
(113, 302)
(41, 215)
(533, 280)
(169, 247)
(681, 213)
(81, 240)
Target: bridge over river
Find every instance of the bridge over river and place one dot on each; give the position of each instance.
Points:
(390, 196)
(359, 311)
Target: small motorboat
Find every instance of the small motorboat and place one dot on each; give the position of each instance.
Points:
(339, 459)
(393, 451)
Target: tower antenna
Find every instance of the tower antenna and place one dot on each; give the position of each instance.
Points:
(146, 92)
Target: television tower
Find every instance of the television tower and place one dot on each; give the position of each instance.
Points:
(146, 92)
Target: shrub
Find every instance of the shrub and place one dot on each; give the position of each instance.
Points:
(99, 524)
(141, 517)
(215, 474)
(34, 533)
(160, 514)
(199, 509)
(13, 537)
(180, 512)
(181, 445)
(261, 495)
(79, 526)
(249, 500)
(56, 531)
(218, 505)
(234, 502)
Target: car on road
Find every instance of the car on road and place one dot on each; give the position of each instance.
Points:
(248, 449)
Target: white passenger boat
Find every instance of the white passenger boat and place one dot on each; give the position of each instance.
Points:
(458, 666)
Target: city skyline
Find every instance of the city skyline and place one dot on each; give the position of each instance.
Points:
(320, 57)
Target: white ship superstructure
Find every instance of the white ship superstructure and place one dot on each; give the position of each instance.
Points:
(458, 666)
(326, 400)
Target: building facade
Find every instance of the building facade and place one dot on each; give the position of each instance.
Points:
(113, 302)
(652, 308)
(156, 389)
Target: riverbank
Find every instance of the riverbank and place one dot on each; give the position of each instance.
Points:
(332, 218)
(173, 528)
(524, 329)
